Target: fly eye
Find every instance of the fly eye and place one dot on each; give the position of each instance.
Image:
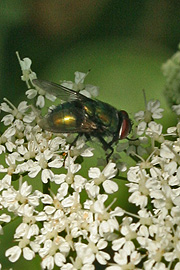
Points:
(125, 126)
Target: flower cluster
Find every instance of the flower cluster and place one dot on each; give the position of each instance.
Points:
(171, 72)
(71, 221)
(74, 218)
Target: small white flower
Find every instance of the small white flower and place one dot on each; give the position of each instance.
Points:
(87, 90)
(154, 129)
(92, 189)
(176, 109)
(75, 223)
(28, 254)
(15, 113)
(123, 259)
(141, 128)
(85, 253)
(154, 107)
(137, 186)
(177, 266)
(104, 177)
(79, 183)
(44, 160)
(5, 218)
(166, 151)
(13, 253)
(81, 149)
(48, 263)
(27, 73)
(153, 111)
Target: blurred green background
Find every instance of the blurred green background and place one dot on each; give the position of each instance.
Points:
(124, 43)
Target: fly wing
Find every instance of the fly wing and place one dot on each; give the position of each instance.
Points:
(58, 90)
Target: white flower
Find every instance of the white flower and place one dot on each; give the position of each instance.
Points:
(20, 202)
(44, 160)
(81, 149)
(15, 113)
(13, 253)
(92, 189)
(85, 255)
(48, 263)
(26, 69)
(153, 111)
(154, 107)
(104, 177)
(5, 218)
(2, 147)
(154, 129)
(73, 223)
(123, 259)
(177, 266)
(50, 256)
(79, 183)
(87, 90)
(176, 109)
(26, 232)
(141, 128)
(137, 186)
(144, 119)
(101, 256)
(79, 81)
(6, 180)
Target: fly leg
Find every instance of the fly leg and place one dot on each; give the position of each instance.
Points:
(75, 140)
(73, 143)
(88, 137)
(106, 146)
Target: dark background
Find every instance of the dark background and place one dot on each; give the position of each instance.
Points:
(124, 43)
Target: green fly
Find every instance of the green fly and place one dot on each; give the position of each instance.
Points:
(85, 116)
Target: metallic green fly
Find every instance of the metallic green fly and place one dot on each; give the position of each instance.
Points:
(85, 116)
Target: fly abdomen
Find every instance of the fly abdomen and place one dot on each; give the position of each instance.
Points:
(65, 118)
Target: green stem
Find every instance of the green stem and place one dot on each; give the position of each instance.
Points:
(135, 158)
(46, 188)
(121, 178)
